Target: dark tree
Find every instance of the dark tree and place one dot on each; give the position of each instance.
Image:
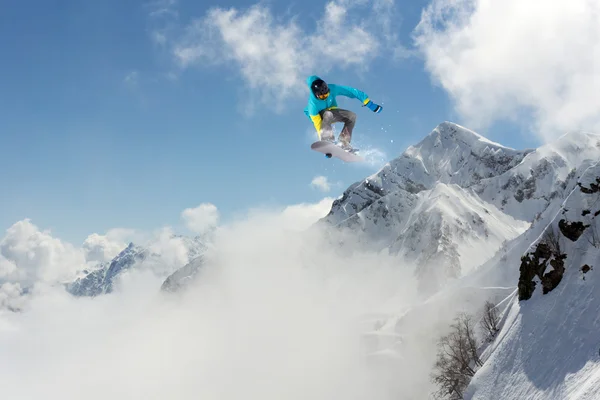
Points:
(457, 359)
(489, 320)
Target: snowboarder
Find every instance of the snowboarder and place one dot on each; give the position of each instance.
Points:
(323, 110)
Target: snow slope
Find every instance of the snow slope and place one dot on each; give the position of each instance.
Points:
(548, 346)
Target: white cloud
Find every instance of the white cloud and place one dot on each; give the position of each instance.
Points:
(38, 255)
(103, 248)
(7, 267)
(269, 301)
(201, 218)
(499, 59)
(172, 249)
(321, 183)
(11, 296)
(275, 56)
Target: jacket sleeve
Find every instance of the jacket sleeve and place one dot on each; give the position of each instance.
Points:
(314, 116)
(349, 91)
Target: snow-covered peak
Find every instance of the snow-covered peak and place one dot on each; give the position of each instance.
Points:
(571, 149)
(448, 134)
(449, 154)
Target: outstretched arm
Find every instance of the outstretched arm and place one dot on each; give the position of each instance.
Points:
(349, 91)
(353, 93)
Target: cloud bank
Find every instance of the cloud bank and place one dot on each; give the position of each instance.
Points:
(500, 59)
(274, 314)
(28, 254)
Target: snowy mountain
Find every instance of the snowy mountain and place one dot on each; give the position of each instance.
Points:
(468, 215)
(547, 346)
(450, 154)
(102, 280)
(448, 204)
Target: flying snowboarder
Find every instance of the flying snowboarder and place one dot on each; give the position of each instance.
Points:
(323, 110)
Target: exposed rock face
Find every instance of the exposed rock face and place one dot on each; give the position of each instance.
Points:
(586, 268)
(594, 187)
(547, 252)
(534, 265)
(572, 230)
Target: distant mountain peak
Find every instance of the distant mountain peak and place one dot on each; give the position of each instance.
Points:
(101, 280)
(448, 132)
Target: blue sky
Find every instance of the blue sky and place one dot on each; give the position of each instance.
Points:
(123, 114)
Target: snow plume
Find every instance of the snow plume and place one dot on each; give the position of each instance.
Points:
(497, 59)
(274, 314)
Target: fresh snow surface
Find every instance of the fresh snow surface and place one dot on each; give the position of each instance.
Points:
(477, 229)
(548, 347)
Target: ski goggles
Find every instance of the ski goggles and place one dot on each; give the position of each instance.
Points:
(323, 96)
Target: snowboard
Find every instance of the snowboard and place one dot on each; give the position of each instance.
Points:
(333, 150)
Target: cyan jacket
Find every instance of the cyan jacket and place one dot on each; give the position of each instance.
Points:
(316, 105)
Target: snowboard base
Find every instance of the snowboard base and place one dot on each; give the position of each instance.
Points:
(333, 150)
